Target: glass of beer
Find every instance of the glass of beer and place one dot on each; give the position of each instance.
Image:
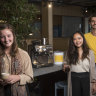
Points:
(4, 71)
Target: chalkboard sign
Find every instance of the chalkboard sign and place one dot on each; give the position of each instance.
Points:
(71, 24)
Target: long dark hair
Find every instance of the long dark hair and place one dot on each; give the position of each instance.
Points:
(72, 52)
(14, 49)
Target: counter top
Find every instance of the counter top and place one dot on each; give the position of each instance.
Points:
(46, 70)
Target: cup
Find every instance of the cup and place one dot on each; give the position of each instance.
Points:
(67, 69)
(4, 71)
(4, 75)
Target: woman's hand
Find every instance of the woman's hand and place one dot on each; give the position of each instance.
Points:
(2, 82)
(12, 79)
(66, 68)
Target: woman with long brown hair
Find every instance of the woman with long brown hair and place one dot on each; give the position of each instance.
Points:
(15, 64)
(81, 62)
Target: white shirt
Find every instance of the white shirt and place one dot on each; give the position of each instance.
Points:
(81, 66)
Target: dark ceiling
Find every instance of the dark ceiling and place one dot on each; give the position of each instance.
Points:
(75, 2)
(69, 2)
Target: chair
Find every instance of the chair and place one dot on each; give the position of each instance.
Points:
(61, 85)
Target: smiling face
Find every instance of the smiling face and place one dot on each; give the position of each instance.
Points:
(78, 40)
(6, 38)
(93, 22)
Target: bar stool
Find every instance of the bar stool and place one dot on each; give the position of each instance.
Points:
(61, 85)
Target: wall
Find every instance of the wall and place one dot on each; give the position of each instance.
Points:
(67, 10)
(62, 43)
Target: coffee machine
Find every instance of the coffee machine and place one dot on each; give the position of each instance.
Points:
(42, 53)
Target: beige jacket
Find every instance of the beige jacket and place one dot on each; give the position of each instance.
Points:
(92, 74)
(27, 75)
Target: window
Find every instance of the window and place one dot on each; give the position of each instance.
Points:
(71, 24)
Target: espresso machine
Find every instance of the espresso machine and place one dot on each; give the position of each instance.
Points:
(42, 53)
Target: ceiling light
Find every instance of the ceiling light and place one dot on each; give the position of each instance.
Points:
(49, 5)
(86, 10)
(31, 34)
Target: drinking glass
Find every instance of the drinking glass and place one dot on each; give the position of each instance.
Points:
(67, 67)
(4, 71)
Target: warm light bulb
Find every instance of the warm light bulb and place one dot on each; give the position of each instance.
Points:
(86, 11)
(49, 5)
(31, 34)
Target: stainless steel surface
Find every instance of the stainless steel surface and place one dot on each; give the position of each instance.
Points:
(42, 55)
(44, 41)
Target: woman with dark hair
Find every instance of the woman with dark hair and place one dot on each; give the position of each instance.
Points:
(15, 65)
(81, 62)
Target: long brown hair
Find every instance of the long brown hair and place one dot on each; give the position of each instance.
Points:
(14, 49)
(72, 52)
